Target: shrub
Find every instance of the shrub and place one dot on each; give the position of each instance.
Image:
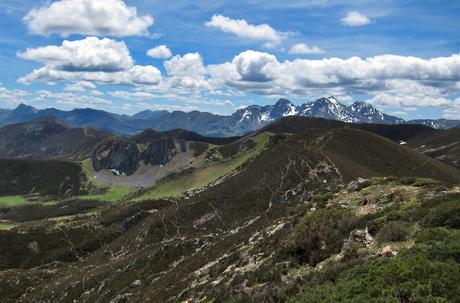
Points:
(320, 234)
(416, 280)
(445, 214)
(440, 243)
(394, 231)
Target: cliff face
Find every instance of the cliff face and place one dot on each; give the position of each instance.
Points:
(124, 155)
(160, 152)
(117, 153)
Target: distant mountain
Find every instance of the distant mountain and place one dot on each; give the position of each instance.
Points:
(3, 113)
(48, 138)
(241, 122)
(327, 108)
(75, 118)
(437, 124)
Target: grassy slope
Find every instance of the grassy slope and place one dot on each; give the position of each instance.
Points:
(113, 194)
(176, 186)
(12, 201)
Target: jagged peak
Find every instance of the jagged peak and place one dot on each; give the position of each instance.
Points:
(328, 100)
(283, 102)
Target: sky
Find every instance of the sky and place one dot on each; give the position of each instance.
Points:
(402, 56)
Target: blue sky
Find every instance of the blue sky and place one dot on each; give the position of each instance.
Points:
(217, 56)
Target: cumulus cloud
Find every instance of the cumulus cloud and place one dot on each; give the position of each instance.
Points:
(392, 80)
(187, 73)
(160, 52)
(87, 17)
(242, 29)
(250, 65)
(89, 54)
(80, 86)
(137, 75)
(355, 18)
(190, 64)
(304, 49)
(88, 60)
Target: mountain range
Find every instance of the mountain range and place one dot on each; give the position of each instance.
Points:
(239, 123)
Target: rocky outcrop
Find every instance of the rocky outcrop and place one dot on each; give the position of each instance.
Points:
(358, 240)
(116, 153)
(160, 152)
(358, 184)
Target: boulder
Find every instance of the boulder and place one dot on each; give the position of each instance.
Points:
(387, 252)
(116, 153)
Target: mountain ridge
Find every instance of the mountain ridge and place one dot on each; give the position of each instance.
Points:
(48, 138)
(239, 123)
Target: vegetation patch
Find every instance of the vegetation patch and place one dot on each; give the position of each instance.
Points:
(113, 194)
(9, 201)
(7, 226)
(320, 234)
(420, 266)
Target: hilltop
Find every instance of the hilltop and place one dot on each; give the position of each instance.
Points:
(48, 138)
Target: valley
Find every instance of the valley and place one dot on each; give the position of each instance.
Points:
(288, 213)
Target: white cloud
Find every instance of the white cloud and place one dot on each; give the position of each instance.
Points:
(146, 75)
(89, 54)
(395, 99)
(137, 75)
(89, 60)
(391, 80)
(304, 49)
(87, 17)
(96, 93)
(11, 96)
(80, 86)
(71, 100)
(355, 18)
(250, 65)
(160, 52)
(190, 64)
(453, 111)
(187, 73)
(242, 29)
(133, 95)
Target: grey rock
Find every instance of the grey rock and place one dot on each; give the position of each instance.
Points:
(358, 184)
(116, 153)
(159, 152)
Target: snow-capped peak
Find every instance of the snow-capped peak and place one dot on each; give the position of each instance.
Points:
(327, 108)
